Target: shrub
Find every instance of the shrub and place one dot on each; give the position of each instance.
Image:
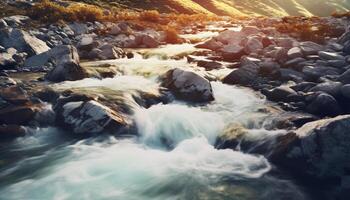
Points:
(150, 15)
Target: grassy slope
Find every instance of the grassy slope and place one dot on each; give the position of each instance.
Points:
(236, 7)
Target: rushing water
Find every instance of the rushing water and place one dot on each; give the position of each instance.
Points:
(173, 156)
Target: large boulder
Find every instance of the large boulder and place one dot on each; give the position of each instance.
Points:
(324, 105)
(22, 41)
(319, 149)
(232, 52)
(188, 85)
(84, 115)
(245, 75)
(67, 67)
(65, 60)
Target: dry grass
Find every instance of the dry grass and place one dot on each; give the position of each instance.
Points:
(341, 15)
(312, 29)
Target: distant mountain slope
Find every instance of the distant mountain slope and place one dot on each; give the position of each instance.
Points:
(239, 7)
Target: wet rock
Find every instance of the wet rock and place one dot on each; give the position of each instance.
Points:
(294, 62)
(303, 86)
(14, 95)
(67, 65)
(345, 91)
(345, 77)
(3, 24)
(245, 75)
(310, 48)
(324, 105)
(253, 45)
(330, 87)
(188, 85)
(149, 41)
(320, 149)
(330, 55)
(232, 52)
(314, 73)
(20, 115)
(11, 132)
(88, 116)
(86, 43)
(22, 41)
(295, 52)
(6, 81)
(290, 74)
(109, 51)
(281, 93)
(291, 120)
(209, 65)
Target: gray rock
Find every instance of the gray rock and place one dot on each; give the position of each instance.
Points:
(330, 87)
(22, 41)
(281, 93)
(3, 24)
(245, 75)
(86, 43)
(16, 20)
(66, 62)
(295, 52)
(7, 61)
(319, 149)
(85, 117)
(109, 51)
(253, 45)
(290, 74)
(324, 105)
(314, 73)
(310, 48)
(78, 28)
(345, 77)
(330, 55)
(188, 85)
(115, 30)
(294, 62)
(337, 63)
(345, 91)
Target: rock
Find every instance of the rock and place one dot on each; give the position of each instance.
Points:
(78, 28)
(281, 93)
(270, 69)
(188, 85)
(303, 86)
(330, 87)
(290, 74)
(109, 51)
(295, 52)
(294, 62)
(314, 73)
(281, 55)
(250, 30)
(7, 61)
(115, 30)
(245, 75)
(86, 43)
(11, 132)
(211, 44)
(16, 20)
(345, 77)
(253, 45)
(209, 65)
(330, 55)
(230, 37)
(67, 67)
(20, 115)
(290, 120)
(324, 105)
(90, 116)
(22, 41)
(14, 95)
(310, 48)
(149, 41)
(232, 52)
(320, 149)
(3, 24)
(6, 81)
(345, 91)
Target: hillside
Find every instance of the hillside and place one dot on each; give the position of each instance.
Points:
(237, 7)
